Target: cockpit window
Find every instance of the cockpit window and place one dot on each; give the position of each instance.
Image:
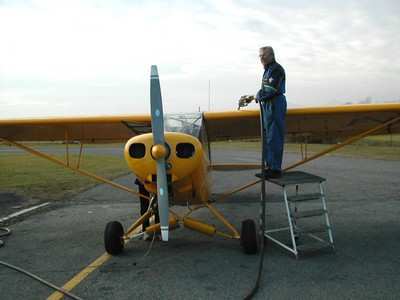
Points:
(185, 123)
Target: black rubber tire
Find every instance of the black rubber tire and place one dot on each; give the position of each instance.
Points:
(113, 238)
(248, 237)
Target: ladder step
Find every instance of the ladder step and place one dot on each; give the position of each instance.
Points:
(304, 230)
(305, 197)
(309, 213)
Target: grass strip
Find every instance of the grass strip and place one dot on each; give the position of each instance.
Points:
(356, 150)
(38, 178)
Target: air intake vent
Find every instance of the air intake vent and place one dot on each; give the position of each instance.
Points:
(137, 150)
(184, 150)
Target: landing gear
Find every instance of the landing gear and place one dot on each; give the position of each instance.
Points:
(248, 237)
(113, 238)
(144, 205)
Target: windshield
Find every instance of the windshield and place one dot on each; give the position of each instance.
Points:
(185, 123)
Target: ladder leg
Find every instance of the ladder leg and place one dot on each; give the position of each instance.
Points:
(290, 222)
(295, 228)
(328, 224)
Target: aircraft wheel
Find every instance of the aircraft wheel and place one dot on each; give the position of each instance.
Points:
(113, 238)
(248, 237)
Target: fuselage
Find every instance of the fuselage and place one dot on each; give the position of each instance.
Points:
(187, 166)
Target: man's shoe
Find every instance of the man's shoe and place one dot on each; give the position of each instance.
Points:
(269, 173)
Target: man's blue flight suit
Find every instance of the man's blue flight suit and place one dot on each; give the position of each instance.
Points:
(274, 104)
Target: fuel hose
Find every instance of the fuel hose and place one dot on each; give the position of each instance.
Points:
(261, 239)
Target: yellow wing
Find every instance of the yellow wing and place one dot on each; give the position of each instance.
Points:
(324, 122)
(99, 129)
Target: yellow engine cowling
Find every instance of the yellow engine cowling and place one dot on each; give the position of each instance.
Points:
(183, 157)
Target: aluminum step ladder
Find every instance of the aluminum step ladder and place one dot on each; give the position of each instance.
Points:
(304, 238)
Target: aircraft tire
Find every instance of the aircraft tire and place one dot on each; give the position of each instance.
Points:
(248, 237)
(113, 240)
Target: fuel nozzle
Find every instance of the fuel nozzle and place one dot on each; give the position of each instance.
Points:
(245, 100)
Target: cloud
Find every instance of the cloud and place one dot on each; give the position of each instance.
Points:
(76, 54)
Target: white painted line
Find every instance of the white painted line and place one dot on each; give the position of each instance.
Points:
(22, 212)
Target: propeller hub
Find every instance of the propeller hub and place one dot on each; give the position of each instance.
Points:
(159, 151)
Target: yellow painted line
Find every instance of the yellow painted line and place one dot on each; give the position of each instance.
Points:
(78, 278)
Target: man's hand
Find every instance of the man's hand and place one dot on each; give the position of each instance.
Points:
(259, 95)
(245, 100)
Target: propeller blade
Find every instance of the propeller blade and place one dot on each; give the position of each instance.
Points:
(157, 125)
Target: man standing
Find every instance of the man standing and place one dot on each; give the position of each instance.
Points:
(271, 95)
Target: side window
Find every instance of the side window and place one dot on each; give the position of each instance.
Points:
(204, 140)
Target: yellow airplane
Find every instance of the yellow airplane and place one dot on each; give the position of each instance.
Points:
(171, 155)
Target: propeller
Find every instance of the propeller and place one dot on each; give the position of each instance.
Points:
(159, 151)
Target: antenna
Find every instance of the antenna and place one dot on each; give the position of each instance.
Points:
(209, 95)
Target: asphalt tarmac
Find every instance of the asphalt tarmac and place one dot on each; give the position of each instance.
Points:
(363, 197)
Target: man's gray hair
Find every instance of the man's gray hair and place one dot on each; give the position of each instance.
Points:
(270, 49)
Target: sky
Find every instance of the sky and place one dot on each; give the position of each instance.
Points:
(61, 58)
